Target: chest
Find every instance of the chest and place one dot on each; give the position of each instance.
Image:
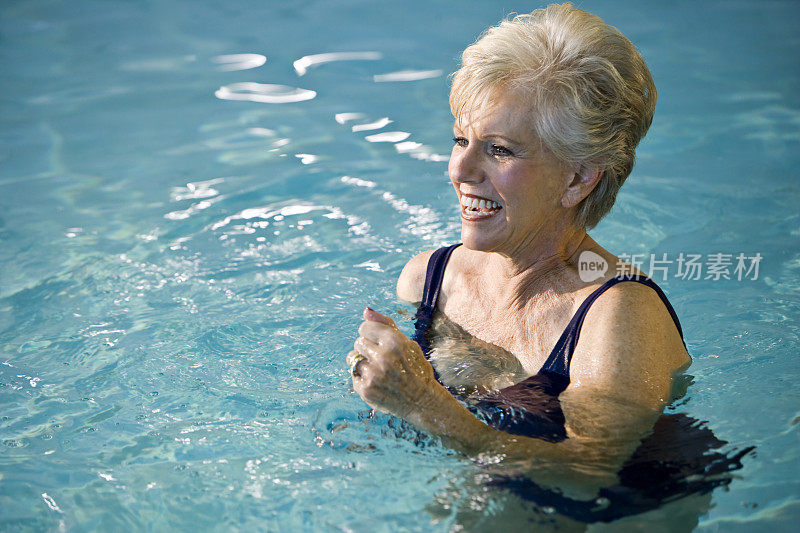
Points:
(528, 331)
(468, 364)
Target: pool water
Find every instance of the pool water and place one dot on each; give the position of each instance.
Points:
(187, 240)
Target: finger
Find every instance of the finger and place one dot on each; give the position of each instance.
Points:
(361, 367)
(350, 355)
(381, 335)
(367, 347)
(360, 364)
(374, 316)
(374, 330)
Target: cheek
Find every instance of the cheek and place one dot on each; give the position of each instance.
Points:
(513, 187)
(528, 190)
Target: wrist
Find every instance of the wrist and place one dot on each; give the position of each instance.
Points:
(423, 412)
(439, 413)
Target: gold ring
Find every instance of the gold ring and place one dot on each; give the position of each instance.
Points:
(357, 358)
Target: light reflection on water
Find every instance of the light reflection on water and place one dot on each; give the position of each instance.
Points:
(302, 65)
(265, 93)
(239, 61)
(182, 274)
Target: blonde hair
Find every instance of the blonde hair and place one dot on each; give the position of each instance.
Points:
(590, 94)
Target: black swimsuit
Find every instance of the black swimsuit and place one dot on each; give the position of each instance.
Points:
(679, 457)
(531, 407)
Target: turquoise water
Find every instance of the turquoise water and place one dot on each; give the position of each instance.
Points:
(182, 270)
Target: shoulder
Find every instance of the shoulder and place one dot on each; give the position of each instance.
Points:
(411, 282)
(629, 345)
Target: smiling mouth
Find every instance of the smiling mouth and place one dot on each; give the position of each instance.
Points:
(476, 208)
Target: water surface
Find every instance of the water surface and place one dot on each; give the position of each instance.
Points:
(187, 240)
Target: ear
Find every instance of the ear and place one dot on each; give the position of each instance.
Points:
(583, 182)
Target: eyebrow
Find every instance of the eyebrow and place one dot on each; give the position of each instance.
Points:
(499, 136)
(492, 136)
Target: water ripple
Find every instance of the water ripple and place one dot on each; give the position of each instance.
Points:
(407, 75)
(239, 61)
(196, 190)
(378, 124)
(265, 93)
(302, 65)
(388, 137)
(343, 118)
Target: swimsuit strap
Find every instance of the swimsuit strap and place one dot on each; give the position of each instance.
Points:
(430, 295)
(561, 356)
(559, 359)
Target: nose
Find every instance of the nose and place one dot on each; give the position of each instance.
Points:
(465, 165)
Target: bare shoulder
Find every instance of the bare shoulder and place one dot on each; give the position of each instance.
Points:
(411, 282)
(629, 346)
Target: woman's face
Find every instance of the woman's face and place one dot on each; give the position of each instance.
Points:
(509, 186)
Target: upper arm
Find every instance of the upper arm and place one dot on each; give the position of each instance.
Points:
(411, 282)
(629, 348)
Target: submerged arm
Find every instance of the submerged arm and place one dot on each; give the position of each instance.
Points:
(620, 380)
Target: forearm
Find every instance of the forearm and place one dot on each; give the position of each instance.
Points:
(395, 377)
(441, 414)
(578, 466)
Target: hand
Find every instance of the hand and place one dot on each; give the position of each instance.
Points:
(395, 377)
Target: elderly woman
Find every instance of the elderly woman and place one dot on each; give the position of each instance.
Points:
(549, 108)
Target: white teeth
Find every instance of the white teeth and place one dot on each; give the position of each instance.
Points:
(477, 203)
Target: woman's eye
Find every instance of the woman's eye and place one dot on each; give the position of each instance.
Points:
(461, 141)
(498, 150)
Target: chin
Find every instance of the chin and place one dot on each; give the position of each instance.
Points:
(478, 241)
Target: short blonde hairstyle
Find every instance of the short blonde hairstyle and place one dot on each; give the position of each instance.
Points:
(589, 93)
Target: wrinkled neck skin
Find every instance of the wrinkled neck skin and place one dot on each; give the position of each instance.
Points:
(545, 263)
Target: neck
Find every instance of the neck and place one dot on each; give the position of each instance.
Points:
(541, 265)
